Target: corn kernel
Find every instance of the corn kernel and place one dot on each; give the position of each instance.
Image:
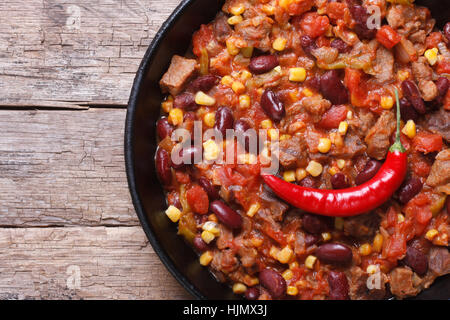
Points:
(289, 176)
(251, 281)
(292, 291)
(431, 234)
(231, 48)
(409, 129)
(333, 171)
(235, 20)
(288, 274)
(340, 163)
(365, 249)
(338, 223)
(253, 209)
(175, 116)
(266, 124)
(293, 265)
(206, 258)
(314, 168)
(326, 236)
(285, 255)
(307, 93)
(237, 10)
(244, 101)
(173, 213)
(279, 44)
(349, 115)
(274, 252)
(257, 242)
(238, 87)
(285, 137)
(227, 81)
(203, 99)
(336, 139)
(247, 52)
(211, 150)
(212, 217)
(432, 56)
(372, 268)
(247, 158)
(207, 236)
(211, 226)
(310, 261)
(377, 245)
(273, 134)
(343, 127)
(210, 119)
(324, 145)
(278, 69)
(245, 75)
(387, 102)
(300, 174)
(268, 9)
(400, 218)
(167, 106)
(402, 75)
(239, 288)
(297, 74)
(285, 3)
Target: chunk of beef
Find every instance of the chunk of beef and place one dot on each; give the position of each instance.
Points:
(316, 106)
(421, 70)
(179, 72)
(440, 171)
(293, 152)
(225, 261)
(407, 20)
(401, 281)
(362, 122)
(378, 136)
(276, 206)
(352, 146)
(363, 288)
(362, 226)
(247, 256)
(428, 90)
(439, 260)
(383, 65)
(255, 31)
(438, 122)
(222, 29)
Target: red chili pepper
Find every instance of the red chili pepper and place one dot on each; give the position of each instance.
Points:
(350, 201)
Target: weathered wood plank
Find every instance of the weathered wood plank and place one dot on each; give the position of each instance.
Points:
(67, 53)
(63, 168)
(112, 263)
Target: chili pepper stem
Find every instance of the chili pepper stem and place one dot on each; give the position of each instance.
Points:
(397, 145)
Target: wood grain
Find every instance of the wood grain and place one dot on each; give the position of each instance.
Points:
(72, 53)
(113, 263)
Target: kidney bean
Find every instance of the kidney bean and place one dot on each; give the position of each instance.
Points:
(164, 128)
(185, 101)
(421, 244)
(308, 182)
(203, 83)
(411, 92)
(311, 239)
(407, 111)
(340, 45)
(308, 44)
(224, 120)
(448, 205)
(416, 260)
(210, 189)
(314, 224)
(360, 15)
(163, 163)
(338, 284)
(313, 83)
(369, 171)
(334, 253)
(447, 31)
(226, 215)
(199, 244)
(240, 127)
(409, 189)
(273, 282)
(263, 64)
(188, 156)
(272, 106)
(252, 293)
(339, 181)
(332, 87)
(442, 84)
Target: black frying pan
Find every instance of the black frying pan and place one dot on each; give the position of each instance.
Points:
(140, 144)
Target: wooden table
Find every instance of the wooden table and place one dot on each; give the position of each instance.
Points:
(68, 229)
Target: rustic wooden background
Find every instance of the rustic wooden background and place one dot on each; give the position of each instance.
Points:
(68, 229)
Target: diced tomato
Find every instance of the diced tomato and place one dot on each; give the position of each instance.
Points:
(182, 177)
(443, 66)
(418, 210)
(299, 7)
(314, 25)
(427, 142)
(433, 39)
(201, 38)
(388, 37)
(336, 10)
(333, 117)
(356, 87)
(447, 101)
(198, 200)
